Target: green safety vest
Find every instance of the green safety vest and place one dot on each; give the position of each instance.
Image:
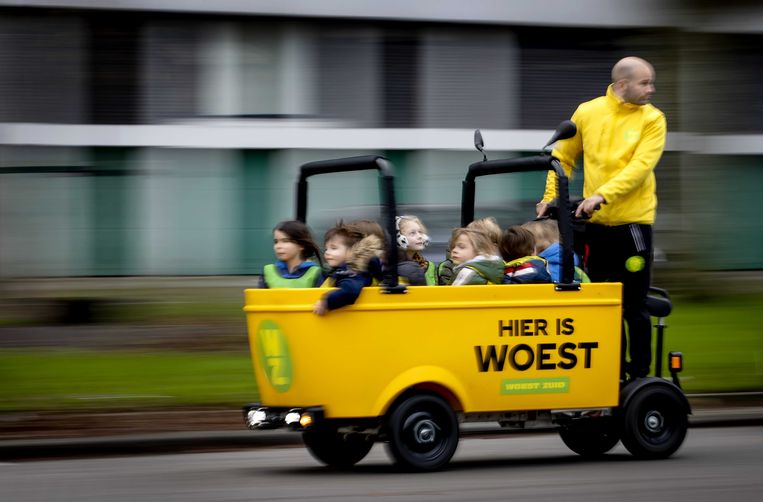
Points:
(581, 276)
(431, 274)
(275, 280)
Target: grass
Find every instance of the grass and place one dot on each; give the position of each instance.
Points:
(721, 341)
(44, 380)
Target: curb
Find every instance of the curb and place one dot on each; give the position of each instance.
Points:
(202, 441)
(144, 444)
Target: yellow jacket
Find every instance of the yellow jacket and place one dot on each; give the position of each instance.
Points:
(621, 145)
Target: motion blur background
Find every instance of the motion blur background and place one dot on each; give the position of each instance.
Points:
(163, 138)
(147, 148)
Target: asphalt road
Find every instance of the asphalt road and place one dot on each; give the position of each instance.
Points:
(714, 464)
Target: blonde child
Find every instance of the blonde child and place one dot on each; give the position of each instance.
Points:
(348, 252)
(293, 245)
(487, 226)
(546, 232)
(475, 258)
(412, 238)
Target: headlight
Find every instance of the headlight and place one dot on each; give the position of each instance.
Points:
(291, 418)
(256, 417)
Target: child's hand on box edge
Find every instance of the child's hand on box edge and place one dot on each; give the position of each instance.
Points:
(320, 307)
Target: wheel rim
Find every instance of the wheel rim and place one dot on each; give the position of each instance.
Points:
(425, 432)
(658, 422)
(654, 421)
(422, 434)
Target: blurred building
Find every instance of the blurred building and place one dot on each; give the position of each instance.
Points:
(163, 137)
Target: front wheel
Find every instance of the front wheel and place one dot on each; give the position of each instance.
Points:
(335, 449)
(654, 422)
(590, 437)
(423, 433)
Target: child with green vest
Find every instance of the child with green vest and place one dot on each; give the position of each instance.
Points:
(293, 246)
(412, 238)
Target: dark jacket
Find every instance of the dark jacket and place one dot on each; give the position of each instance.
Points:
(526, 270)
(349, 283)
(410, 270)
(445, 272)
(350, 278)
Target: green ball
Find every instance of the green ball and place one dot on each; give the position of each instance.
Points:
(635, 263)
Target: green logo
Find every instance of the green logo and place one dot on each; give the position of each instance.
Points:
(559, 385)
(635, 263)
(274, 355)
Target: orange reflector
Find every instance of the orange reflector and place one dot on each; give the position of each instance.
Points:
(306, 420)
(676, 361)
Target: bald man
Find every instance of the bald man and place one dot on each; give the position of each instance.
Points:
(621, 137)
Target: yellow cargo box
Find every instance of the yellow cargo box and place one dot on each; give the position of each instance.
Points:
(487, 348)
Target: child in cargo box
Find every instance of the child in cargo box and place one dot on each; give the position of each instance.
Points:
(546, 232)
(349, 253)
(293, 246)
(522, 266)
(475, 258)
(412, 268)
(487, 226)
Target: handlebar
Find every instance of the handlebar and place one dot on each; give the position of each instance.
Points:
(552, 212)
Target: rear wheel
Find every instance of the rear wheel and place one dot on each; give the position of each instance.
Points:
(590, 437)
(423, 433)
(335, 449)
(654, 422)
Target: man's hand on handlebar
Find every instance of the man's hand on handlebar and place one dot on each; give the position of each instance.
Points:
(589, 205)
(541, 208)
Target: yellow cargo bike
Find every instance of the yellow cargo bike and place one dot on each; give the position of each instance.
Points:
(519, 355)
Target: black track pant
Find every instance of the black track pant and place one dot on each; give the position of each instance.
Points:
(624, 254)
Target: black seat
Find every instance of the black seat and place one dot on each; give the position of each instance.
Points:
(658, 303)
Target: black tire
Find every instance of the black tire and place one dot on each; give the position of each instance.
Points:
(590, 437)
(654, 422)
(334, 449)
(423, 433)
